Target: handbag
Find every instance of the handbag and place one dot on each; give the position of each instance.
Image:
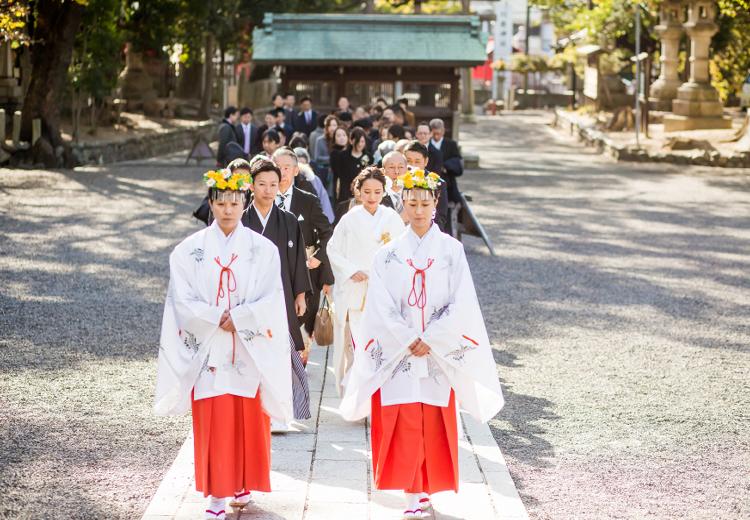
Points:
(323, 329)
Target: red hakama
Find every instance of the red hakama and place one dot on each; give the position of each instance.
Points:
(415, 446)
(232, 437)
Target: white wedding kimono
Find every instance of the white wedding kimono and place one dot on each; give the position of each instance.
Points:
(209, 273)
(422, 288)
(355, 240)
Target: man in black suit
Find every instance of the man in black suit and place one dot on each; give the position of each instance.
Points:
(316, 230)
(306, 119)
(416, 157)
(289, 102)
(227, 134)
(282, 125)
(248, 134)
(445, 159)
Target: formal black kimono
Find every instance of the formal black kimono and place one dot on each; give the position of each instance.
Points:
(316, 231)
(282, 230)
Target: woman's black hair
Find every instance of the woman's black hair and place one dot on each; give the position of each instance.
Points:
(264, 165)
(370, 172)
(356, 134)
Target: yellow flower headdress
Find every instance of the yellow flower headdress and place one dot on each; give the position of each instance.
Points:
(225, 180)
(420, 179)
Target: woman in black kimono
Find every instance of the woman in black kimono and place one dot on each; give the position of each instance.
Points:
(281, 228)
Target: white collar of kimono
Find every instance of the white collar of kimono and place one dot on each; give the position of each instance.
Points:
(263, 220)
(419, 239)
(364, 211)
(220, 233)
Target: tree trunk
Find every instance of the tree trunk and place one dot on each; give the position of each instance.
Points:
(51, 51)
(209, 77)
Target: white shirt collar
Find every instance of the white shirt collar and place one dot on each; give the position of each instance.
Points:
(437, 144)
(263, 220)
(287, 197)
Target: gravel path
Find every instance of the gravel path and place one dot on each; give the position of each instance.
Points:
(620, 303)
(83, 272)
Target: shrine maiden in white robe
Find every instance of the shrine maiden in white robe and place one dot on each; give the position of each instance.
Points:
(422, 288)
(355, 240)
(209, 273)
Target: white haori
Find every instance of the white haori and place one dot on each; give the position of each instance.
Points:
(422, 288)
(355, 240)
(209, 273)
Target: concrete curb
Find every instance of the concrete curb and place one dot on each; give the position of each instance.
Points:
(592, 137)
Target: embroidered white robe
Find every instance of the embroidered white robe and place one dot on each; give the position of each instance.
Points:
(422, 288)
(355, 240)
(210, 273)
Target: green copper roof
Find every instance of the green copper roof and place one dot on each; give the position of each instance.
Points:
(369, 39)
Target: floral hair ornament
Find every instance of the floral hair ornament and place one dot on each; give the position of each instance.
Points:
(415, 179)
(227, 186)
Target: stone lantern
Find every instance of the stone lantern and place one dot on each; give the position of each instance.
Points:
(697, 105)
(10, 90)
(664, 89)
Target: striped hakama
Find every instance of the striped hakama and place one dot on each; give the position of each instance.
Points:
(300, 387)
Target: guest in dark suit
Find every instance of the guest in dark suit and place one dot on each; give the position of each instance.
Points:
(445, 159)
(227, 134)
(306, 119)
(283, 126)
(315, 227)
(281, 228)
(289, 102)
(416, 157)
(248, 134)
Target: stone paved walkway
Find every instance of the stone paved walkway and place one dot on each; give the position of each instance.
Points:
(322, 471)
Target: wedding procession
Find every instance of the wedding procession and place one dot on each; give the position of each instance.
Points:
(374, 260)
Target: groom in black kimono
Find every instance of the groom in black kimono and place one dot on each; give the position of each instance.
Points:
(280, 227)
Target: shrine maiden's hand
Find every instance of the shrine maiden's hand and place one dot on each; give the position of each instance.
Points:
(359, 276)
(224, 317)
(313, 263)
(226, 323)
(419, 348)
(299, 304)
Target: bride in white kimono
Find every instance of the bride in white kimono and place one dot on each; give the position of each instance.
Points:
(224, 349)
(422, 347)
(361, 232)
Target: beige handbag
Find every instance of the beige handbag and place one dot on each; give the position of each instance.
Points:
(323, 330)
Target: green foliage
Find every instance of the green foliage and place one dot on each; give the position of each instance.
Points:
(610, 24)
(96, 54)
